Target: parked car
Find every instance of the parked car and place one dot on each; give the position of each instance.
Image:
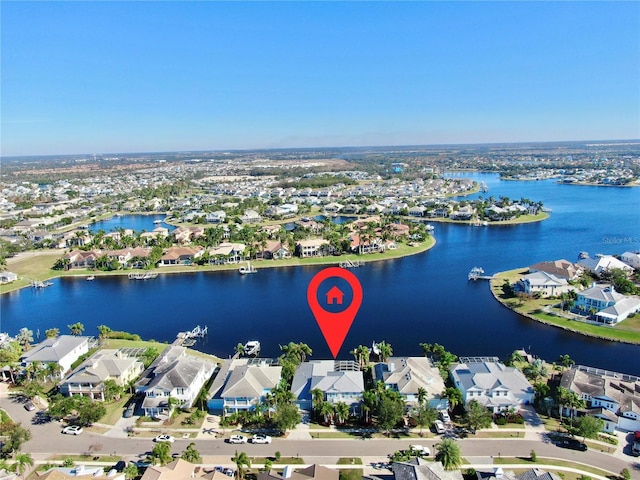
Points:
(444, 416)
(261, 439)
(128, 413)
(237, 439)
(119, 466)
(439, 426)
(420, 450)
(573, 444)
(72, 430)
(164, 438)
(30, 407)
(229, 472)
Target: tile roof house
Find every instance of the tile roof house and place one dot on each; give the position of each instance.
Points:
(341, 381)
(492, 384)
(312, 248)
(88, 379)
(406, 375)
(63, 350)
(559, 268)
(242, 384)
(66, 473)
(419, 469)
(547, 284)
(81, 259)
(176, 374)
(177, 470)
(180, 255)
(613, 397)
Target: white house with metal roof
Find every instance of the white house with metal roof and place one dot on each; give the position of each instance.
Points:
(63, 350)
(492, 384)
(340, 381)
(174, 374)
(547, 284)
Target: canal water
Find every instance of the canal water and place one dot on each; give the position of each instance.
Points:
(421, 298)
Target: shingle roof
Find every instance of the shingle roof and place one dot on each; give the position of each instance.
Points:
(54, 349)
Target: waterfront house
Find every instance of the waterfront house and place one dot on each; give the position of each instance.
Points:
(546, 284)
(419, 469)
(275, 250)
(603, 262)
(559, 268)
(417, 211)
(333, 208)
(89, 377)
(62, 350)
(8, 277)
(491, 383)
(632, 259)
(242, 384)
(605, 304)
(180, 256)
(614, 397)
(158, 232)
(228, 252)
(312, 472)
(219, 216)
(81, 259)
(312, 248)
(177, 374)
(407, 375)
(341, 381)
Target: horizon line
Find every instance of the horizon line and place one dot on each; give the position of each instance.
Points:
(630, 141)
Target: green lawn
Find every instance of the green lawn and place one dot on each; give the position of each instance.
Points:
(121, 343)
(627, 331)
(497, 434)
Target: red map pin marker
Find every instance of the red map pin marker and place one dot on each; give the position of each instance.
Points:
(334, 326)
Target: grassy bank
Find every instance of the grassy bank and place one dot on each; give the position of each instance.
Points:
(37, 265)
(521, 219)
(627, 331)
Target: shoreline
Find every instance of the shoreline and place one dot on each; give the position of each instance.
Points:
(405, 251)
(500, 276)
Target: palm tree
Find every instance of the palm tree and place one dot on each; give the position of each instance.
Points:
(317, 397)
(190, 454)
(422, 395)
(25, 338)
(76, 329)
(130, 471)
(240, 350)
(453, 395)
(326, 410)
(342, 412)
(22, 461)
(385, 351)
(448, 452)
(241, 460)
(566, 361)
(52, 332)
(104, 331)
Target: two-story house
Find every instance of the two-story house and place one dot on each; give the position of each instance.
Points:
(491, 383)
(407, 375)
(546, 284)
(242, 384)
(177, 374)
(89, 377)
(62, 350)
(611, 396)
(606, 305)
(340, 381)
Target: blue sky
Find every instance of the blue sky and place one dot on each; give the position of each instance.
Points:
(98, 77)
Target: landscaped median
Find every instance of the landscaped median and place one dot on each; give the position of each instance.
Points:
(544, 310)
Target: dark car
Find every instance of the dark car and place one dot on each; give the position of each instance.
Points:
(119, 467)
(29, 406)
(128, 413)
(573, 444)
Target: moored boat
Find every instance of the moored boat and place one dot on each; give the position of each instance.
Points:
(248, 269)
(252, 347)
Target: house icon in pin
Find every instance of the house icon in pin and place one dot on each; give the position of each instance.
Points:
(334, 295)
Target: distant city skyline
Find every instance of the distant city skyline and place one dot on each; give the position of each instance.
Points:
(110, 77)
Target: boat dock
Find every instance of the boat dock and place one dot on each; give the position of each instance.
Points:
(189, 338)
(38, 284)
(476, 273)
(351, 264)
(142, 276)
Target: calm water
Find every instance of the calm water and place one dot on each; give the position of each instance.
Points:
(136, 223)
(422, 298)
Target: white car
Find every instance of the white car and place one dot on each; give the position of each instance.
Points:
(237, 439)
(261, 439)
(72, 430)
(439, 426)
(164, 438)
(444, 416)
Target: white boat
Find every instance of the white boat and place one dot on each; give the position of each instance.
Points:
(252, 347)
(90, 278)
(429, 227)
(158, 221)
(142, 276)
(248, 269)
(375, 349)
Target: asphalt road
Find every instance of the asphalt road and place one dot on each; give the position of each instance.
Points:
(47, 439)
